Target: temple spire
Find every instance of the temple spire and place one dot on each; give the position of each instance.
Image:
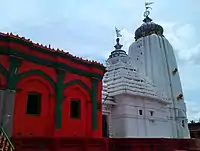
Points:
(118, 52)
(147, 12)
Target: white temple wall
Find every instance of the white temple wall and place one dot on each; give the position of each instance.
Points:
(157, 123)
(119, 127)
(175, 79)
(154, 61)
(136, 117)
(176, 90)
(159, 128)
(159, 62)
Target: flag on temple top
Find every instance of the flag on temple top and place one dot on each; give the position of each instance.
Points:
(118, 32)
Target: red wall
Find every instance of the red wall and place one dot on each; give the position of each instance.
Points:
(102, 144)
(44, 124)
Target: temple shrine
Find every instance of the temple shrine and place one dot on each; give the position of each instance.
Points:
(142, 92)
(51, 100)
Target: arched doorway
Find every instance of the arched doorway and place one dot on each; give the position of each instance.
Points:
(75, 112)
(34, 106)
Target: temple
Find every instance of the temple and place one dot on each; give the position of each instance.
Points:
(47, 92)
(142, 94)
(51, 100)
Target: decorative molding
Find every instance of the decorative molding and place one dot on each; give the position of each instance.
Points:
(122, 78)
(49, 63)
(35, 72)
(79, 82)
(47, 50)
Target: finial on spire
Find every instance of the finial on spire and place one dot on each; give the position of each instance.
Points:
(147, 12)
(118, 46)
(118, 34)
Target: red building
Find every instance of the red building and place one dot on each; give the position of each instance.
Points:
(48, 92)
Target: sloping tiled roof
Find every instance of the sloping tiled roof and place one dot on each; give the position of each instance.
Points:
(11, 37)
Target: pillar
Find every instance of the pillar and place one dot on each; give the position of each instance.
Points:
(94, 104)
(59, 97)
(8, 103)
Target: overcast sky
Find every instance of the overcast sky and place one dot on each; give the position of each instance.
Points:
(86, 28)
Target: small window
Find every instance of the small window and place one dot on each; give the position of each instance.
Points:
(140, 112)
(33, 104)
(75, 109)
(183, 123)
(151, 113)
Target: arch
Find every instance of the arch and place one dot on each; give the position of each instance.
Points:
(78, 92)
(38, 84)
(36, 72)
(79, 88)
(78, 82)
(24, 81)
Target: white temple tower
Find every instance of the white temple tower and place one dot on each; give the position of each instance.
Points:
(143, 89)
(155, 59)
